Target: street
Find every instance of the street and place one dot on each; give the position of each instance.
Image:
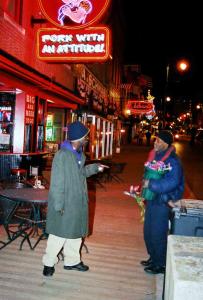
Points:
(192, 160)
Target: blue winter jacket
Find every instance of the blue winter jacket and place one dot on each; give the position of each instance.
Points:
(171, 185)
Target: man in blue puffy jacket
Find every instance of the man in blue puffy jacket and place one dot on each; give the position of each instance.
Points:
(168, 189)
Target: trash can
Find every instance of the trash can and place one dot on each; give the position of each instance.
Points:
(188, 220)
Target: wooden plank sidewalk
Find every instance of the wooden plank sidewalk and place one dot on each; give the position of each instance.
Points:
(115, 249)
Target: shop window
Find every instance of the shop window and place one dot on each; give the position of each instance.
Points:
(13, 8)
(40, 125)
(7, 104)
(49, 128)
(54, 128)
(28, 138)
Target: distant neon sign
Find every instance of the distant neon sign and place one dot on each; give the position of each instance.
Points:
(140, 107)
(73, 13)
(81, 45)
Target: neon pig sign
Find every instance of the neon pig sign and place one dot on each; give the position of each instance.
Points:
(75, 10)
(90, 44)
(73, 40)
(73, 13)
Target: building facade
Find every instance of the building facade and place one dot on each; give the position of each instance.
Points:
(38, 99)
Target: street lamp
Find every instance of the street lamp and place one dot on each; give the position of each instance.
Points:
(181, 66)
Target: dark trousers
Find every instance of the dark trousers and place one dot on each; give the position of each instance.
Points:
(156, 232)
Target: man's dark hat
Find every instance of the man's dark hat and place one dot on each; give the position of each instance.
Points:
(166, 136)
(77, 131)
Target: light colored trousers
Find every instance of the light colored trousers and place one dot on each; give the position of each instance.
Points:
(71, 251)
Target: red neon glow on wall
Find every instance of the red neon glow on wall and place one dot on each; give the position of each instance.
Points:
(73, 13)
(75, 45)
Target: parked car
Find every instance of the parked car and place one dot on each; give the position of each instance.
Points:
(199, 136)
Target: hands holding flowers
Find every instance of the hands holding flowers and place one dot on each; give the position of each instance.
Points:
(153, 170)
(135, 193)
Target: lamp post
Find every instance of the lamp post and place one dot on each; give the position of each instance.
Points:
(166, 97)
(181, 66)
(167, 74)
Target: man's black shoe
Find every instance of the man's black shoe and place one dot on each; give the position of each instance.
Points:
(48, 271)
(155, 270)
(79, 267)
(146, 263)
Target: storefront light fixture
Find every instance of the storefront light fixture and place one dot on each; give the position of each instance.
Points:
(12, 91)
(18, 91)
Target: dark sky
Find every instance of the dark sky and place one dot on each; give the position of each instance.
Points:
(162, 34)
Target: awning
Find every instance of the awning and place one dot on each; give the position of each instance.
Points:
(28, 80)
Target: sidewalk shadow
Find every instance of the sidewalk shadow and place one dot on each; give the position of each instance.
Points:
(92, 205)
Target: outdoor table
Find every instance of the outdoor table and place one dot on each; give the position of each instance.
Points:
(36, 199)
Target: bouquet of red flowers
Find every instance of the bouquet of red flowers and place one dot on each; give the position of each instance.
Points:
(135, 193)
(154, 170)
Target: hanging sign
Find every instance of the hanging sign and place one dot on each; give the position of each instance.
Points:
(78, 45)
(140, 107)
(74, 40)
(73, 13)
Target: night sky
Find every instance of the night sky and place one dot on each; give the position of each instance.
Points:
(163, 34)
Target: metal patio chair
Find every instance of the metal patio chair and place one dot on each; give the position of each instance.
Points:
(14, 219)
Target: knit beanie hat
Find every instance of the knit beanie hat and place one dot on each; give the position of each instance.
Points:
(166, 136)
(77, 131)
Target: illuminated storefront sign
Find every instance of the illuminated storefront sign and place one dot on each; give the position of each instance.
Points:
(29, 109)
(89, 44)
(73, 13)
(49, 128)
(74, 40)
(140, 107)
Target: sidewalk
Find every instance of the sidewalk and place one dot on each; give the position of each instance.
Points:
(115, 247)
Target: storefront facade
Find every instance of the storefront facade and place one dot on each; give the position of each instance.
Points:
(24, 111)
(38, 98)
(28, 89)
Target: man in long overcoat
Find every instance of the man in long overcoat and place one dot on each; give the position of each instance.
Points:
(67, 216)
